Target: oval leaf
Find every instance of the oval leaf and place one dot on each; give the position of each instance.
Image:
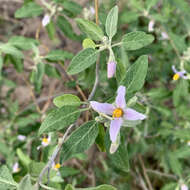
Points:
(136, 40)
(136, 74)
(59, 119)
(66, 100)
(90, 29)
(111, 22)
(82, 61)
(80, 140)
(25, 184)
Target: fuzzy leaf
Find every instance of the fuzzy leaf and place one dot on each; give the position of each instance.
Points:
(82, 61)
(25, 184)
(136, 40)
(111, 22)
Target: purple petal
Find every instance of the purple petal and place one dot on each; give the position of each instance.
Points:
(111, 67)
(102, 107)
(114, 128)
(120, 99)
(131, 114)
(174, 69)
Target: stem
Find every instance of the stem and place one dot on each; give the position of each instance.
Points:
(97, 62)
(53, 156)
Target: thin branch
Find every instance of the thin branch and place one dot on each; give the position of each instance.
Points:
(144, 172)
(53, 156)
(96, 9)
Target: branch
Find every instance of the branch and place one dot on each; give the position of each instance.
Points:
(53, 156)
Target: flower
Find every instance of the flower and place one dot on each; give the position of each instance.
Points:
(184, 187)
(16, 168)
(56, 166)
(188, 142)
(151, 26)
(111, 67)
(21, 137)
(178, 74)
(164, 36)
(46, 141)
(46, 20)
(119, 112)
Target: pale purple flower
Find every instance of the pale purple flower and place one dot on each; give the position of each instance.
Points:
(46, 20)
(184, 187)
(151, 26)
(21, 137)
(118, 111)
(164, 36)
(15, 167)
(178, 74)
(111, 67)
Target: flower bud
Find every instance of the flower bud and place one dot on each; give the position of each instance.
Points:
(111, 68)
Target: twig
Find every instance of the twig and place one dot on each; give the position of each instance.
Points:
(53, 156)
(144, 172)
(97, 62)
(162, 174)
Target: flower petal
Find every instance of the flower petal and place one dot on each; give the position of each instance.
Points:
(120, 99)
(174, 69)
(102, 107)
(114, 128)
(46, 20)
(131, 114)
(111, 67)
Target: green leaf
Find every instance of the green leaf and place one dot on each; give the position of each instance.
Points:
(101, 187)
(170, 186)
(136, 40)
(24, 159)
(25, 184)
(135, 75)
(69, 187)
(68, 171)
(22, 42)
(111, 22)
(80, 140)
(58, 55)
(88, 43)
(100, 138)
(59, 119)
(30, 9)
(51, 71)
(92, 30)
(120, 158)
(6, 180)
(82, 61)
(66, 27)
(66, 100)
(72, 7)
(1, 65)
(9, 49)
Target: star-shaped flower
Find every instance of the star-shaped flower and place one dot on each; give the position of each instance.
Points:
(118, 111)
(179, 74)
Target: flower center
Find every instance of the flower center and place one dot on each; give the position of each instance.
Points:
(45, 140)
(118, 112)
(57, 166)
(176, 76)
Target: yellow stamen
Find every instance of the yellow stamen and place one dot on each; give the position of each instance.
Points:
(45, 140)
(176, 76)
(118, 112)
(57, 166)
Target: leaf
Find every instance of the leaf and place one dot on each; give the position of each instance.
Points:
(69, 187)
(66, 27)
(82, 61)
(120, 158)
(88, 43)
(72, 7)
(135, 75)
(22, 42)
(92, 30)
(101, 187)
(9, 49)
(66, 100)
(59, 119)
(111, 22)
(6, 180)
(68, 171)
(136, 40)
(1, 66)
(30, 9)
(80, 140)
(24, 159)
(58, 55)
(51, 71)
(25, 184)
(100, 138)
